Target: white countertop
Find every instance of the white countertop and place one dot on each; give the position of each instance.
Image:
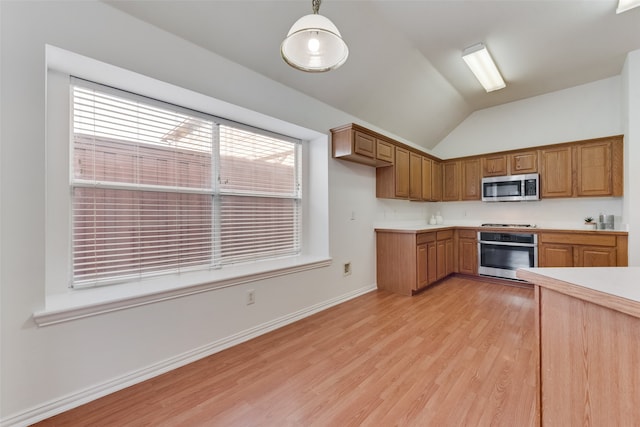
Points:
(421, 225)
(622, 282)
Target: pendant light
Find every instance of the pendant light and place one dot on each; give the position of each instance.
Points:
(314, 44)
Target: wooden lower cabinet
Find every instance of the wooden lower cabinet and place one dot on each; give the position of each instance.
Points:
(467, 252)
(422, 261)
(409, 261)
(554, 255)
(588, 249)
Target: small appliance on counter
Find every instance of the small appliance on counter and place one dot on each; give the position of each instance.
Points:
(606, 222)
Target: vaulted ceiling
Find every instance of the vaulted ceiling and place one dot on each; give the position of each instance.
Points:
(405, 72)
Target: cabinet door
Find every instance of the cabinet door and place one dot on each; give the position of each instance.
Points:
(364, 144)
(594, 256)
(451, 181)
(426, 179)
(432, 265)
(415, 174)
(436, 181)
(470, 179)
(448, 261)
(402, 172)
(525, 162)
(384, 151)
(553, 255)
(422, 260)
(468, 256)
(556, 174)
(495, 165)
(594, 169)
(441, 264)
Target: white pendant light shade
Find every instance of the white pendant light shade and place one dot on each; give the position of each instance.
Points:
(624, 5)
(314, 44)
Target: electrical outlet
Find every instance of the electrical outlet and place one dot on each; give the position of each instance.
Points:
(346, 269)
(251, 297)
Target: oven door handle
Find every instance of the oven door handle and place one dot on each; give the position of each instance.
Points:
(522, 245)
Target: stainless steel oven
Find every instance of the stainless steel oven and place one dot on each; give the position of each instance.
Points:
(500, 253)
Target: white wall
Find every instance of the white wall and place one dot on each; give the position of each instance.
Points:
(582, 112)
(47, 369)
(631, 115)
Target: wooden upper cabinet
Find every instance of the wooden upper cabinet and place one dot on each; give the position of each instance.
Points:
(436, 181)
(357, 144)
(364, 144)
(451, 181)
(556, 172)
(470, 179)
(583, 169)
(402, 173)
(599, 168)
(426, 178)
(524, 162)
(385, 151)
(495, 165)
(589, 168)
(415, 176)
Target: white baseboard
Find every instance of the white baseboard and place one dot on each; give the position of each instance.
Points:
(57, 406)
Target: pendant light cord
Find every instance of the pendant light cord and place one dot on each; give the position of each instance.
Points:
(315, 5)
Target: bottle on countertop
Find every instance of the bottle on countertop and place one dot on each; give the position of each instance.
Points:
(432, 221)
(439, 219)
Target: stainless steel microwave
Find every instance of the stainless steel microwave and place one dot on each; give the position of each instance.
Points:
(512, 188)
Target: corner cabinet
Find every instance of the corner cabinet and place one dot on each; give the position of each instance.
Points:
(409, 261)
(470, 179)
(451, 181)
(582, 249)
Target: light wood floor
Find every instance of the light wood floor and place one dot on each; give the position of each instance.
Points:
(459, 354)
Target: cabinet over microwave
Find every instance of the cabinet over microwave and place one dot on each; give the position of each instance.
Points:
(512, 188)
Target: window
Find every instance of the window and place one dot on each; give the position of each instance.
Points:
(160, 189)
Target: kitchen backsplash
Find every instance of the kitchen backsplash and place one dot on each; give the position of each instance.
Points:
(553, 213)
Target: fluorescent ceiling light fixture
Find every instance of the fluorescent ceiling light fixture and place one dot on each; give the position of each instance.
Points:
(624, 5)
(314, 44)
(479, 60)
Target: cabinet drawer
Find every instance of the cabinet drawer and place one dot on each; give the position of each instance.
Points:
(578, 239)
(425, 238)
(467, 234)
(444, 235)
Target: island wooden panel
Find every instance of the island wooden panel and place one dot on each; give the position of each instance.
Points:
(589, 358)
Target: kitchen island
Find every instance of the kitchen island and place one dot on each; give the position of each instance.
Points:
(588, 334)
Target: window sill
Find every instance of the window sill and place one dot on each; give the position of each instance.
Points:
(80, 303)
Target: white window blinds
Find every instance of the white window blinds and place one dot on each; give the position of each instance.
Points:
(161, 189)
